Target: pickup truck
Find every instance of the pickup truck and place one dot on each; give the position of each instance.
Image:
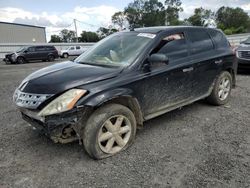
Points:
(72, 51)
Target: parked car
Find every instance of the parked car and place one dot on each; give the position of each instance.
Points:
(101, 97)
(72, 51)
(243, 54)
(29, 53)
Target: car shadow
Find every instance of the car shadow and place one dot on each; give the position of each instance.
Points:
(243, 72)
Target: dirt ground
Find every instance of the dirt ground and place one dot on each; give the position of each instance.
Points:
(196, 146)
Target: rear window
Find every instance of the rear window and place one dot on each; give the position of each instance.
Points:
(200, 41)
(78, 47)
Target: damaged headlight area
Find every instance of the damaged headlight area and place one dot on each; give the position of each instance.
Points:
(63, 103)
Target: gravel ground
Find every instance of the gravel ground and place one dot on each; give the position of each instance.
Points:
(196, 146)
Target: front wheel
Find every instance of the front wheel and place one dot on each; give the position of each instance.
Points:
(20, 60)
(109, 130)
(222, 89)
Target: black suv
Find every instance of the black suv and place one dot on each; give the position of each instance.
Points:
(125, 79)
(243, 54)
(29, 53)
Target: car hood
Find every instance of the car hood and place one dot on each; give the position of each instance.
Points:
(244, 47)
(63, 76)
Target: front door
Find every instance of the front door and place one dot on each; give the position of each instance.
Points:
(166, 86)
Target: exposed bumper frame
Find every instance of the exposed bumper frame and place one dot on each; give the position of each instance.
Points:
(52, 126)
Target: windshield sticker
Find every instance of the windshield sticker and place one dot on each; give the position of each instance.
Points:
(148, 35)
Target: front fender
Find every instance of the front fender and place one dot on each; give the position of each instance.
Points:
(98, 99)
(121, 96)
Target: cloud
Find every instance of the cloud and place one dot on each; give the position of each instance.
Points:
(246, 7)
(89, 18)
(190, 5)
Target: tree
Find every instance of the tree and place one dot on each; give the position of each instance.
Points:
(201, 17)
(145, 13)
(55, 38)
(88, 36)
(134, 13)
(67, 35)
(154, 13)
(172, 11)
(234, 19)
(119, 19)
(104, 32)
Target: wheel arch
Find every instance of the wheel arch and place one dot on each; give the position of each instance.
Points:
(117, 97)
(233, 74)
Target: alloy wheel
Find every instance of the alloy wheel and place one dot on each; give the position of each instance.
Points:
(224, 88)
(114, 134)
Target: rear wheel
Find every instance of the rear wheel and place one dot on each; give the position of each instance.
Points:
(51, 58)
(65, 55)
(222, 89)
(109, 130)
(20, 60)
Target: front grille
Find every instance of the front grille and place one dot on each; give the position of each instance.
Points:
(244, 54)
(29, 100)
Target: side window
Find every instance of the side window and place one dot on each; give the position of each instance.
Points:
(219, 38)
(200, 41)
(174, 46)
(78, 47)
(31, 49)
(72, 48)
(49, 48)
(40, 48)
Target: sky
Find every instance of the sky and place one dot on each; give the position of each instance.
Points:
(56, 15)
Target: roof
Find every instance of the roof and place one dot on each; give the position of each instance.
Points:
(162, 28)
(22, 25)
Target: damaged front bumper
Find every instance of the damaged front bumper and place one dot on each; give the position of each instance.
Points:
(63, 128)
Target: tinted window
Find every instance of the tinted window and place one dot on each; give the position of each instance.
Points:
(31, 49)
(200, 40)
(40, 48)
(50, 48)
(78, 47)
(174, 46)
(219, 38)
(72, 48)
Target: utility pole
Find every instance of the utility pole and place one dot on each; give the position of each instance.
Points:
(76, 30)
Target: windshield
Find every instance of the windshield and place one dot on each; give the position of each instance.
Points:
(120, 49)
(21, 49)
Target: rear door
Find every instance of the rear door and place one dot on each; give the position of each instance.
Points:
(72, 50)
(203, 57)
(78, 50)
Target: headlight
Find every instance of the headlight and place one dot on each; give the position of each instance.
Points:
(63, 103)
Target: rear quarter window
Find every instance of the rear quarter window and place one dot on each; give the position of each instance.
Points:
(219, 39)
(200, 41)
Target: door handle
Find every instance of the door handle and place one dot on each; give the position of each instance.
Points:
(188, 69)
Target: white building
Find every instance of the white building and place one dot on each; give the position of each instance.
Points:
(21, 33)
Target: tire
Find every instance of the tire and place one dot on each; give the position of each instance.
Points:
(65, 55)
(51, 58)
(222, 89)
(98, 128)
(20, 60)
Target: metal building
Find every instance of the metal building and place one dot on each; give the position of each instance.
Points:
(21, 33)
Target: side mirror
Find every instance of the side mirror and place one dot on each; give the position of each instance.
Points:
(25, 51)
(158, 58)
